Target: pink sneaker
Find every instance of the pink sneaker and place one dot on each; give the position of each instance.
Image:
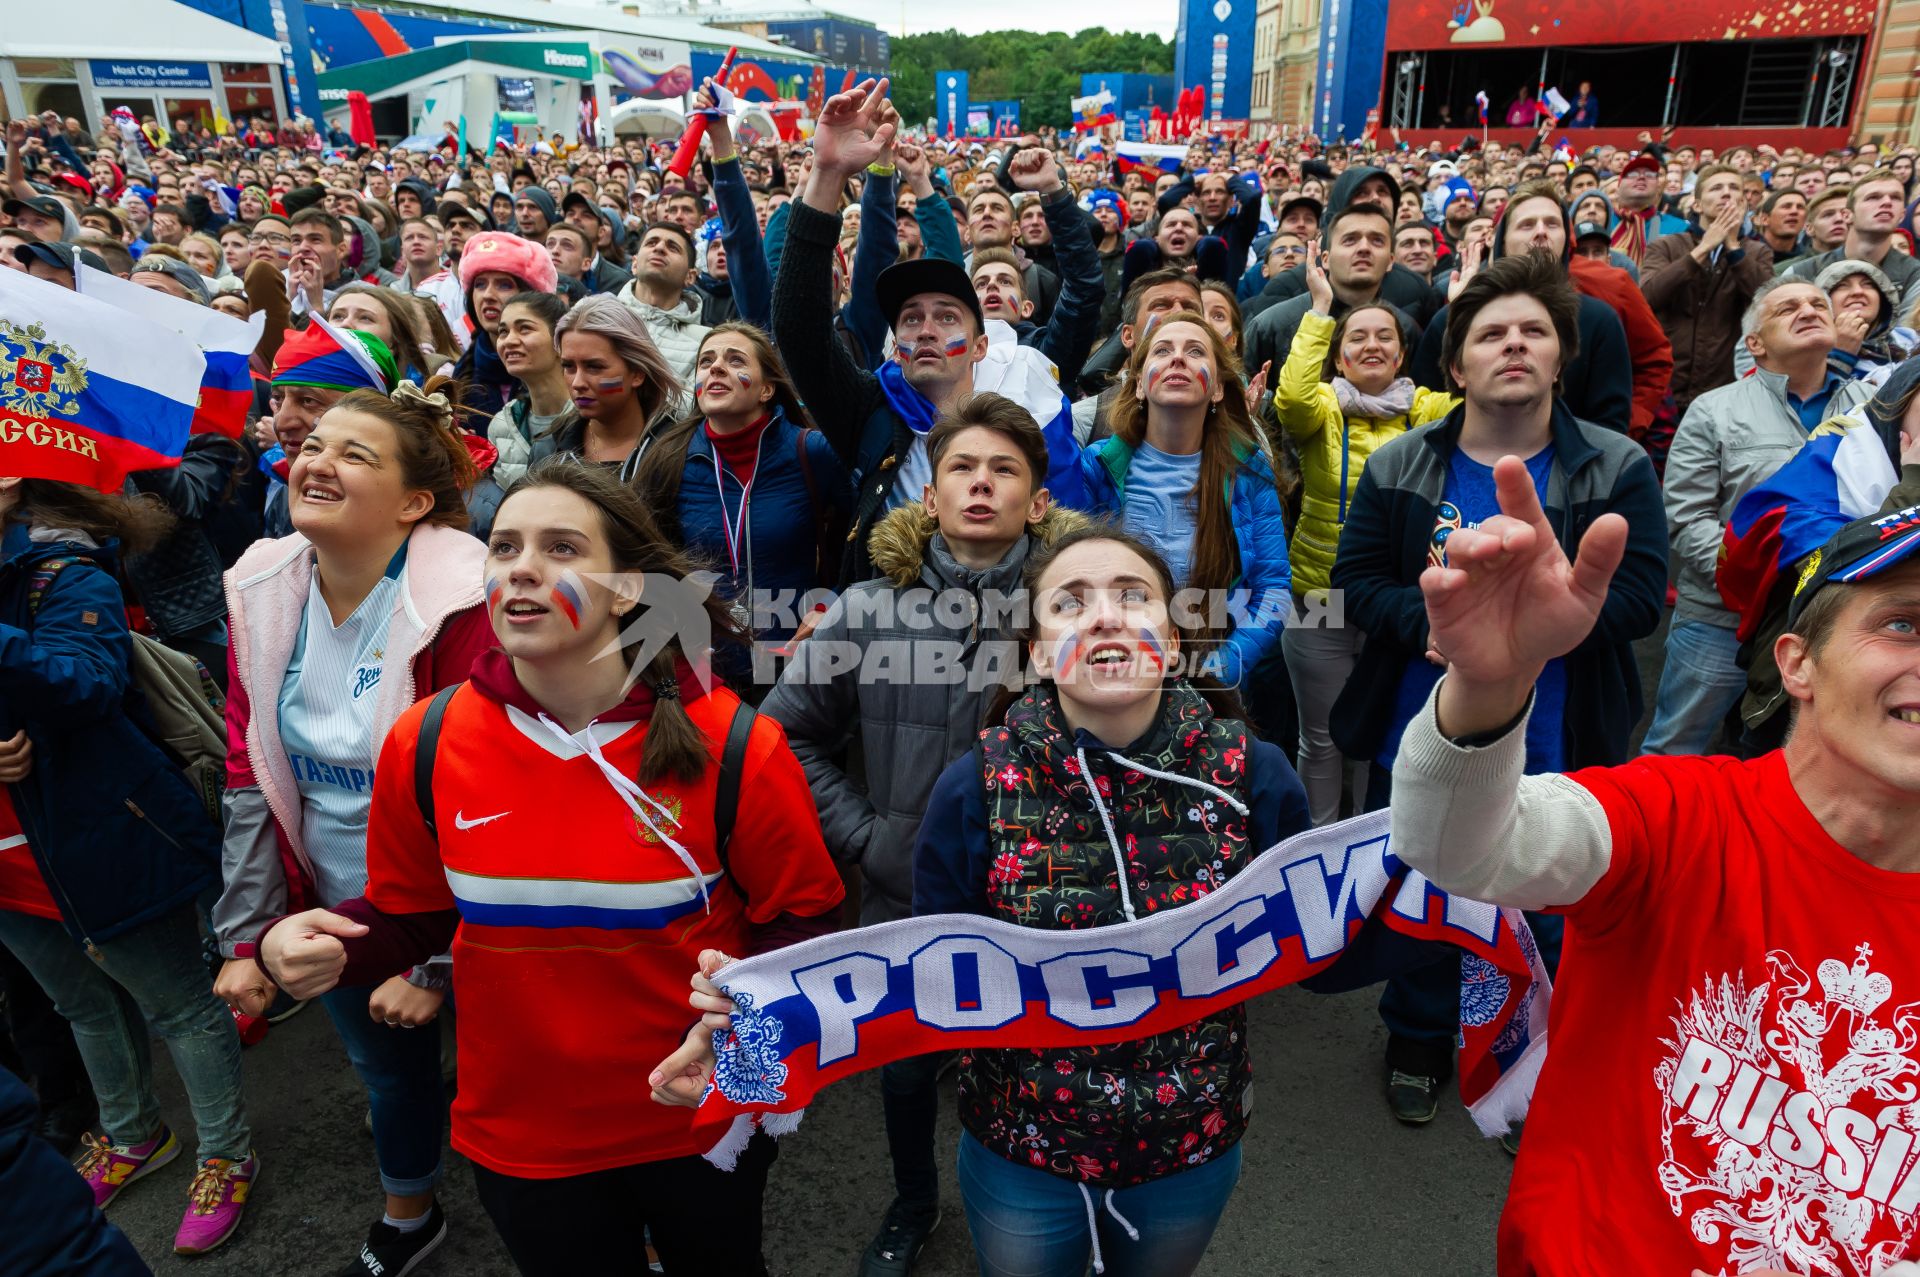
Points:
(214, 1207)
(109, 1168)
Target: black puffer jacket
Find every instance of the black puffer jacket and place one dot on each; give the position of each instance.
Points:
(178, 581)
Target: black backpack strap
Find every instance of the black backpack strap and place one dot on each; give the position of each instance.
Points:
(425, 750)
(726, 795)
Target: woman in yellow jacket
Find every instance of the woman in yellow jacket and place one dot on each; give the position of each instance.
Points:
(1343, 392)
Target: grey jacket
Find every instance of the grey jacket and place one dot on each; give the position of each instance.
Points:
(1731, 438)
(871, 667)
(678, 332)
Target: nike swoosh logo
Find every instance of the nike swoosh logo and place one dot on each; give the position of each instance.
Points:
(461, 822)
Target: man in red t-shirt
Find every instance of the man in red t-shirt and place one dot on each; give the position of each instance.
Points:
(1734, 1077)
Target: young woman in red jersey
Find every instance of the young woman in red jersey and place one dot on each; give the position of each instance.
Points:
(568, 850)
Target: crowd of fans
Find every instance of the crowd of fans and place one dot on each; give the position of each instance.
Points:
(1231, 414)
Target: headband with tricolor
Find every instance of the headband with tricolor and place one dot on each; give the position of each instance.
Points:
(331, 359)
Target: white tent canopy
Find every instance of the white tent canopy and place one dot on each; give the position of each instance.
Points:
(639, 115)
(145, 29)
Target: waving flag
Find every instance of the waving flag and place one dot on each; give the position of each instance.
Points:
(1841, 473)
(1094, 110)
(89, 392)
(1089, 147)
(812, 1013)
(1480, 103)
(1148, 158)
(226, 386)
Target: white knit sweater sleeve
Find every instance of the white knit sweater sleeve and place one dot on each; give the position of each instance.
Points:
(1473, 824)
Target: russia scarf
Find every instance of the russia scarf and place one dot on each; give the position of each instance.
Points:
(813, 1013)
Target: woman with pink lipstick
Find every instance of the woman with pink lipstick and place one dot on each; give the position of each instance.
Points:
(747, 482)
(372, 604)
(619, 383)
(1183, 471)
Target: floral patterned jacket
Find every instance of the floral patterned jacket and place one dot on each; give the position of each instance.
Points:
(1128, 1112)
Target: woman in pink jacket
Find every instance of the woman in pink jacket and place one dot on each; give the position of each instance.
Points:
(374, 602)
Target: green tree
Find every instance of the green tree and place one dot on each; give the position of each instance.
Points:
(1040, 69)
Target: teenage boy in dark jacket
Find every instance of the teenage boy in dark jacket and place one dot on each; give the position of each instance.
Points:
(947, 601)
(1511, 334)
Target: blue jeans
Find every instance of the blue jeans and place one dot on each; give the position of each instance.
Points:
(144, 982)
(401, 1070)
(1699, 687)
(1028, 1223)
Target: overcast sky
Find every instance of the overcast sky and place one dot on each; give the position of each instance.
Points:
(1157, 16)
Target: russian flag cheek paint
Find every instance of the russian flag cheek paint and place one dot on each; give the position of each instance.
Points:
(607, 385)
(957, 346)
(1151, 649)
(494, 590)
(1064, 655)
(570, 596)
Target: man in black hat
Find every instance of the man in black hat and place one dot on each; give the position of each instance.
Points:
(938, 327)
(55, 262)
(603, 275)
(39, 216)
(534, 211)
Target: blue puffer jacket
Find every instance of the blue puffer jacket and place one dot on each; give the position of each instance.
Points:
(1261, 595)
(792, 506)
(118, 833)
(49, 1226)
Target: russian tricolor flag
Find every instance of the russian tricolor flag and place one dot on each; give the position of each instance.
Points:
(1149, 158)
(1840, 474)
(226, 387)
(89, 392)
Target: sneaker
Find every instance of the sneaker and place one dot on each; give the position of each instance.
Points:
(903, 1235)
(388, 1252)
(109, 1168)
(215, 1203)
(1511, 1140)
(1413, 1097)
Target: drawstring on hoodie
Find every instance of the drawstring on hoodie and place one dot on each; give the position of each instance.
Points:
(1093, 1224)
(1113, 840)
(637, 799)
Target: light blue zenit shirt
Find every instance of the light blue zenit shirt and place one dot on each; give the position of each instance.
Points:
(326, 726)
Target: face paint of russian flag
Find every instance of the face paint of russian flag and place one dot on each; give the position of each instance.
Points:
(1150, 647)
(958, 346)
(494, 590)
(1064, 655)
(570, 596)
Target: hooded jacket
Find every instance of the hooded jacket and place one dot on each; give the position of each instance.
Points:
(428, 197)
(364, 264)
(116, 831)
(439, 627)
(1700, 305)
(1597, 386)
(1402, 287)
(856, 673)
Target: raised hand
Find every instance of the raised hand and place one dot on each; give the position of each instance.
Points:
(1033, 169)
(1319, 287)
(303, 953)
(1473, 255)
(916, 170)
(1850, 331)
(851, 131)
(1508, 601)
(1257, 388)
